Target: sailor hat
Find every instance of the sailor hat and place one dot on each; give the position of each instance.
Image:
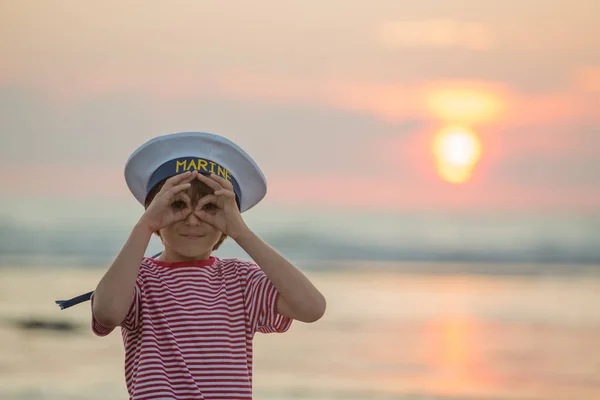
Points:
(168, 155)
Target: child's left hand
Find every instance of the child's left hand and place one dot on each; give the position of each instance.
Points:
(225, 214)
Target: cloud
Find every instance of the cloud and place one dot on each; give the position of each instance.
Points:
(37, 130)
(547, 171)
(468, 101)
(304, 138)
(435, 34)
(66, 180)
(375, 193)
(567, 105)
(587, 79)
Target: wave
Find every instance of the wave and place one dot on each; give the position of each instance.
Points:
(99, 246)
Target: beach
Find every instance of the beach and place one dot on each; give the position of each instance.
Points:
(385, 335)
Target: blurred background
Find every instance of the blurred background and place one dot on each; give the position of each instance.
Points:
(433, 166)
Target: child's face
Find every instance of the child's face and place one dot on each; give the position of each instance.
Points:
(191, 238)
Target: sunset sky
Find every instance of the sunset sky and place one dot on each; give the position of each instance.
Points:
(338, 101)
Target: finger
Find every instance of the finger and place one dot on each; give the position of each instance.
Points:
(183, 214)
(183, 196)
(209, 182)
(225, 193)
(206, 199)
(176, 189)
(178, 179)
(207, 217)
(222, 181)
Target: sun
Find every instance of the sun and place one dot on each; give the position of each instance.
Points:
(457, 151)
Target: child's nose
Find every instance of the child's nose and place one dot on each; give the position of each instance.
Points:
(193, 220)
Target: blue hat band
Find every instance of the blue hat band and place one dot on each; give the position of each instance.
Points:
(183, 164)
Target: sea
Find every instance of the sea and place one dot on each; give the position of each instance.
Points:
(92, 232)
(419, 306)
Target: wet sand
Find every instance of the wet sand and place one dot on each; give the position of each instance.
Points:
(385, 336)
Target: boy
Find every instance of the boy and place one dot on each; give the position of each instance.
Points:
(188, 318)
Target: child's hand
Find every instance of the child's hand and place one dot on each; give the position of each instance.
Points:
(220, 209)
(171, 203)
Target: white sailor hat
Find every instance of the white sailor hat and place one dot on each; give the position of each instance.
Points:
(168, 155)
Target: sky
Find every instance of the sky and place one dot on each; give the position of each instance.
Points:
(339, 102)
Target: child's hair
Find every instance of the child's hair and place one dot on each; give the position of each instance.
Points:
(197, 190)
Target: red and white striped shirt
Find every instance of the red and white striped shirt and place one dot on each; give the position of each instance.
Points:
(188, 333)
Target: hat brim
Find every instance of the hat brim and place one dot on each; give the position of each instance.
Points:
(152, 154)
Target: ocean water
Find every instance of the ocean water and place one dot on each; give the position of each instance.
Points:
(386, 335)
(92, 232)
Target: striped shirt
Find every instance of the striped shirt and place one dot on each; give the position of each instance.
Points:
(188, 333)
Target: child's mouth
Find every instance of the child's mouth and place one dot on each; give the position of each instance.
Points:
(192, 236)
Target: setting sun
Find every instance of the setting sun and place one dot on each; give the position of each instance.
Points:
(457, 151)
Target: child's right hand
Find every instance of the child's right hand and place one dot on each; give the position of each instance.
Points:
(171, 203)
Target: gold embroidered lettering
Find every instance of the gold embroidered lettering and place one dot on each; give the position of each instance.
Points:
(221, 171)
(191, 165)
(202, 164)
(181, 164)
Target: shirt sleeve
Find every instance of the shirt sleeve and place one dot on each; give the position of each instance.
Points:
(132, 319)
(261, 303)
